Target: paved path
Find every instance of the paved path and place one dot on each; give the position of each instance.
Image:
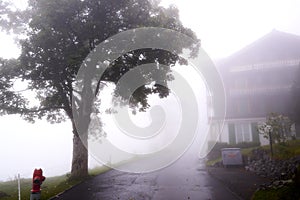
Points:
(185, 179)
(240, 181)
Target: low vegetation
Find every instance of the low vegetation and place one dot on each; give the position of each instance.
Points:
(289, 192)
(286, 150)
(51, 187)
(282, 151)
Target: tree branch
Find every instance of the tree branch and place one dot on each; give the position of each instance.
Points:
(41, 109)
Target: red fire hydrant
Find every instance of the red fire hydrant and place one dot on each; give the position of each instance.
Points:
(37, 181)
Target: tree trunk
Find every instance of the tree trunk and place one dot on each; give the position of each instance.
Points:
(80, 157)
(80, 127)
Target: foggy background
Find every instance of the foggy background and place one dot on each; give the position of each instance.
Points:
(223, 27)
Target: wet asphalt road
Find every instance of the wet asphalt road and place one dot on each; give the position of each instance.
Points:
(185, 179)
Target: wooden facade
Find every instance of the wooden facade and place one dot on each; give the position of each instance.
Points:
(258, 80)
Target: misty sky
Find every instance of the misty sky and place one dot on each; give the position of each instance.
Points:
(223, 27)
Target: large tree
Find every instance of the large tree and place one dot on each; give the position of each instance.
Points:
(11, 101)
(59, 36)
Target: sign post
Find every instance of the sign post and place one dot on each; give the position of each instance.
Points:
(19, 187)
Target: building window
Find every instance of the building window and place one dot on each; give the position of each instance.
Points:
(243, 133)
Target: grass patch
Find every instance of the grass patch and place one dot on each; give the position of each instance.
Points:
(213, 162)
(289, 192)
(51, 187)
(281, 151)
(98, 170)
(287, 150)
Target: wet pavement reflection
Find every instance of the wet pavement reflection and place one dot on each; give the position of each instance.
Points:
(187, 178)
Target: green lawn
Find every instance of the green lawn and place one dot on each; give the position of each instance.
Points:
(287, 150)
(51, 187)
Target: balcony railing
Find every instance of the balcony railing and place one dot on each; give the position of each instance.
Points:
(259, 91)
(267, 65)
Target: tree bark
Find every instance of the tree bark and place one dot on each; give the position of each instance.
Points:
(80, 157)
(80, 131)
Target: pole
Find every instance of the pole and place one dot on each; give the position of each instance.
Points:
(19, 187)
(271, 144)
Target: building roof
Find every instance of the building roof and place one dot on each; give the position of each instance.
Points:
(274, 46)
(258, 78)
